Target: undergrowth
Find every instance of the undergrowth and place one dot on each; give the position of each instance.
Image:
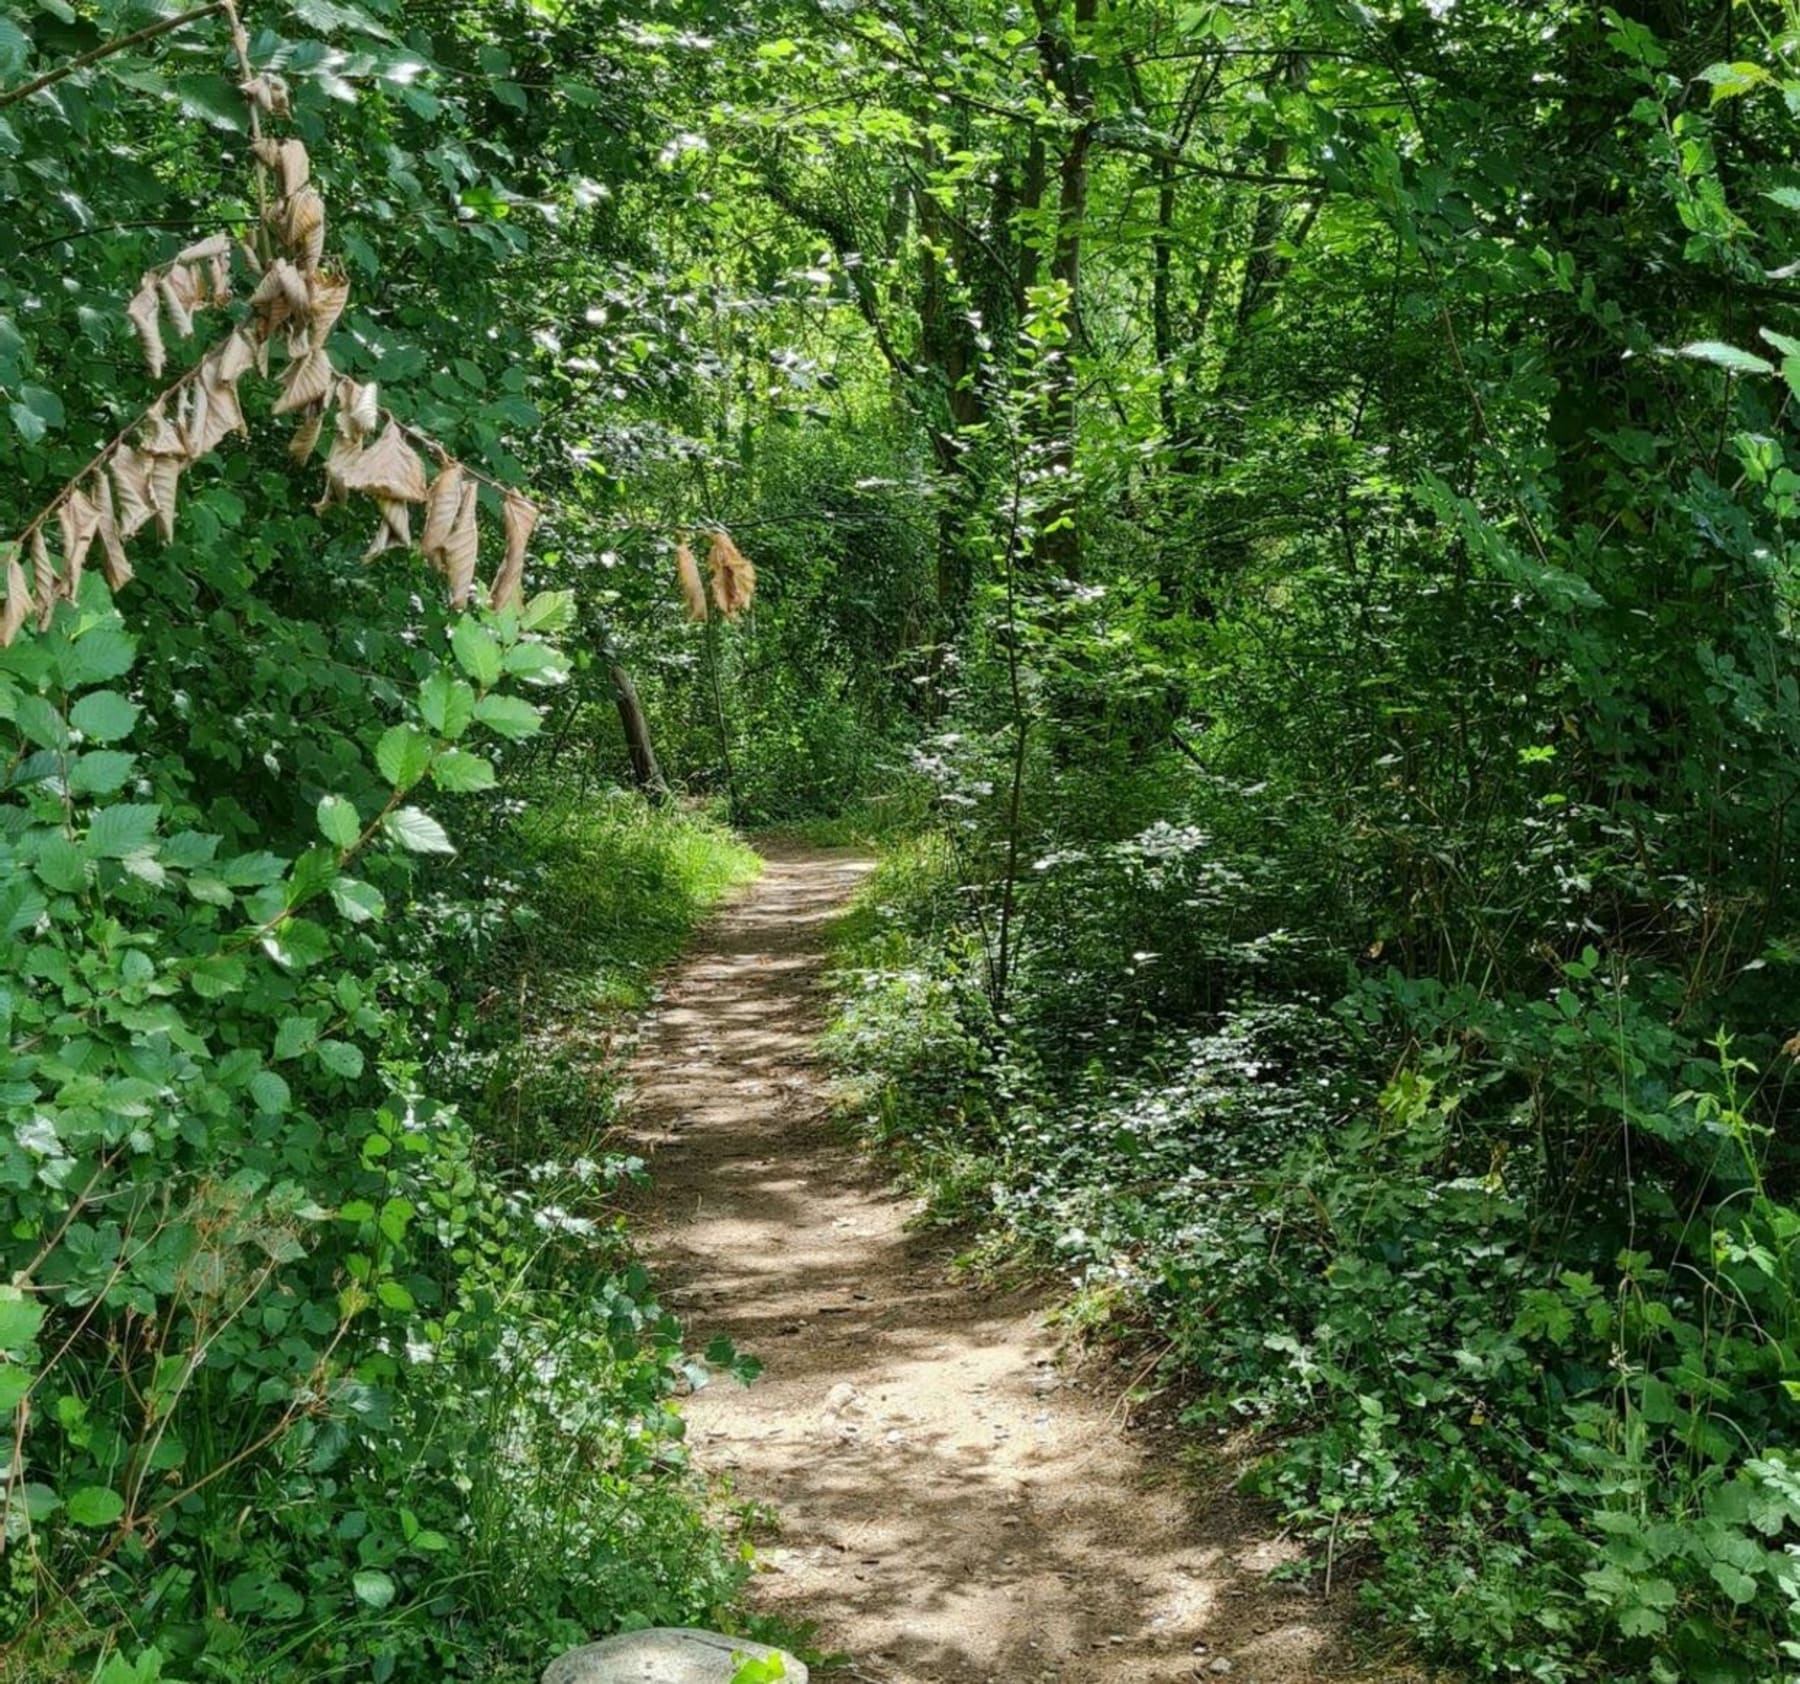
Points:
(1537, 1414)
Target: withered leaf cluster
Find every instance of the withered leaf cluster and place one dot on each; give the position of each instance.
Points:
(296, 301)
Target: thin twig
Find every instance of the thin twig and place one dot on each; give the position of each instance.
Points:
(106, 49)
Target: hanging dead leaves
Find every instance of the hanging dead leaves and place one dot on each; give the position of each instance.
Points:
(295, 303)
(732, 573)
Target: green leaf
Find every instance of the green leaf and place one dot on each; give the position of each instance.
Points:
(341, 1058)
(270, 1093)
(418, 832)
(121, 830)
(294, 1036)
(20, 1319)
(338, 821)
(62, 865)
(373, 1588)
(101, 773)
(403, 755)
(477, 652)
(356, 900)
(95, 1505)
(446, 703)
(509, 716)
(462, 772)
(100, 653)
(41, 723)
(395, 1296)
(1726, 356)
(103, 716)
(217, 975)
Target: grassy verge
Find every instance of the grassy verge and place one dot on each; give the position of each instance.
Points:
(553, 1413)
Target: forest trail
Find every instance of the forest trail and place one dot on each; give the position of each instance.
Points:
(951, 1507)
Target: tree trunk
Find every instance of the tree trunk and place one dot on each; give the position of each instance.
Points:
(645, 772)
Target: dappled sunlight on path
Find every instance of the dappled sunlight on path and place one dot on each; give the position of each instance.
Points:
(951, 1507)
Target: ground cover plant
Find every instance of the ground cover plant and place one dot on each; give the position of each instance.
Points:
(1277, 520)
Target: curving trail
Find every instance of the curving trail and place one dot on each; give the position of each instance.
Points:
(951, 1507)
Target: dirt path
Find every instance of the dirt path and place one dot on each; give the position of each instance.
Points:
(952, 1509)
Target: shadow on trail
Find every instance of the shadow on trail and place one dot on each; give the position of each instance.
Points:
(951, 1510)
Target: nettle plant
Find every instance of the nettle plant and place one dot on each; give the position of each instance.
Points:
(224, 1207)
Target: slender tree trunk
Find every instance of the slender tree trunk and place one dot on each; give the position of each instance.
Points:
(646, 773)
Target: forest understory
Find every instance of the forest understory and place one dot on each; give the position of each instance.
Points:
(1267, 523)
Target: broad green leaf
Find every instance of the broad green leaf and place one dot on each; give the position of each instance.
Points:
(446, 703)
(356, 900)
(509, 716)
(121, 830)
(403, 755)
(1726, 356)
(338, 821)
(477, 651)
(417, 831)
(374, 1588)
(95, 1505)
(20, 1319)
(462, 772)
(340, 1058)
(104, 716)
(101, 772)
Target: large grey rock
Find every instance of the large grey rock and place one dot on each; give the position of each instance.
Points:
(667, 1655)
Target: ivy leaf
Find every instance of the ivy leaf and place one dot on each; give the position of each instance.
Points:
(417, 831)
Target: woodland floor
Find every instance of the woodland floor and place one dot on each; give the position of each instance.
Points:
(949, 1503)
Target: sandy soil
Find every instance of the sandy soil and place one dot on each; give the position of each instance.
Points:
(950, 1505)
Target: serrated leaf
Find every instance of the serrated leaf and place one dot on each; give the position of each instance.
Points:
(461, 772)
(1726, 356)
(403, 755)
(20, 1319)
(509, 716)
(217, 975)
(340, 1058)
(270, 1093)
(104, 716)
(446, 703)
(356, 900)
(101, 772)
(477, 652)
(116, 832)
(417, 831)
(338, 821)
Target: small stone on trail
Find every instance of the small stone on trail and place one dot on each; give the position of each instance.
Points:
(1221, 1666)
(666, 1655)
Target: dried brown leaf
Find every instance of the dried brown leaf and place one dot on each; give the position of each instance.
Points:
(328, 296)
(18, 599)
(303, 227)
(304, 382)
(214, 245)
(234, 358)
(461, 548)
(131, 482)
(78, 520)
(733, 576)
(268, 93)
(521, 517)
(442, 502)
(177, 301)
(165, 491)
(306, 435)
(388, 468)
(395, 531)
(118, 563)
(687, 575)
(43, 579)
(145, 315)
